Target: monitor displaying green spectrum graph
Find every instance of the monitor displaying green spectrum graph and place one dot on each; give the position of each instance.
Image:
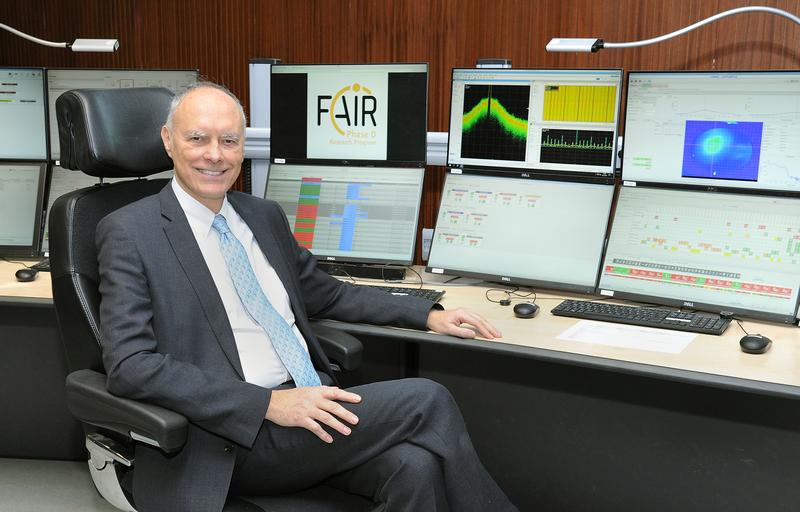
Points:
(557, 122)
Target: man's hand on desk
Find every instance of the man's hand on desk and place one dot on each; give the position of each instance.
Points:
(310, 407)
(450, 322)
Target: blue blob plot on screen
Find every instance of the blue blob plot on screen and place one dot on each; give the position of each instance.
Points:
(726, 150)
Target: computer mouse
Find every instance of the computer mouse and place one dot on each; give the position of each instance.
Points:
(755, 343)
(26, 275)
(525, 310)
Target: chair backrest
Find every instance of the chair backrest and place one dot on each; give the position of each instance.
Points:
(105, 133)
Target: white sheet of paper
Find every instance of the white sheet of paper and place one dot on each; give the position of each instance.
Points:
(628, 336)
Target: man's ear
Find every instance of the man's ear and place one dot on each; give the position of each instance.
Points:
(165, 138)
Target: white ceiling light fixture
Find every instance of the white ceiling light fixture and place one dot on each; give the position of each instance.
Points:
(79, 45)
(560, 44)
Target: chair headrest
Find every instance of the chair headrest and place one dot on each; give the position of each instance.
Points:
(113, 133)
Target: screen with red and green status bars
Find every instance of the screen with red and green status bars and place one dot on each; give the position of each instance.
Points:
(708, 250)
(360, 214)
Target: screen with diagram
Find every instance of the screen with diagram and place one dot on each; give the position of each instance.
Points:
(361, 214)
(61, 80)
(21, 197)
(522, 231)
(23, 114)
(63, 181)
(705, 250)
(714, 129)
(562, 121)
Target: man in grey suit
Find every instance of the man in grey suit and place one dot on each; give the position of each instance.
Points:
(178, 331)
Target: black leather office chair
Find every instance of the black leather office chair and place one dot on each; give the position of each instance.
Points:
(115, 133)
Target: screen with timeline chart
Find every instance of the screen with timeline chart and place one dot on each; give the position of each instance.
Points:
(359, 214)
(62, 80)
(705, 250)
(714, 129)
(545, 121)
(21, 197)
(522, 231)
(23, 135)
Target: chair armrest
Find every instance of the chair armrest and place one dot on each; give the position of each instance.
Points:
(341, 347)
(90, 402)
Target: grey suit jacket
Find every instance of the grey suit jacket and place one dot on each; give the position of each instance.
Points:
(166, 339)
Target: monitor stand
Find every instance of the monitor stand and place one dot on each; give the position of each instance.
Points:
(363, 270)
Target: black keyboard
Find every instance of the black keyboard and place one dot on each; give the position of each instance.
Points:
(42, 266)
(663, 318)
(425, 293)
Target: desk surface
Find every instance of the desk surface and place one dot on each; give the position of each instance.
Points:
(38, 290)
(714, 360)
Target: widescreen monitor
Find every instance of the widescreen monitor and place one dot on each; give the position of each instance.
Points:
(546, 121)
(354, 114)
(705, 250)
(522, 231)
(23, 114)
(21, 198)
(736, 129)
(62, 80)
(63, 181)
(350, 214)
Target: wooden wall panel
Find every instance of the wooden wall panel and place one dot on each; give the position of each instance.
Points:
(219, 37)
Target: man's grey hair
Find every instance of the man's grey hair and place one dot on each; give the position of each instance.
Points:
(178, 98)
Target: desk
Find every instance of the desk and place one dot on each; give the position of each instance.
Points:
(561, 426)
(36, 423)
(571, 426)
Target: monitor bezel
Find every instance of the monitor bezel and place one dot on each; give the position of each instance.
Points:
(46, 116)
(328, 258)
(691, 305)
(526, 282)
(555, 174)
(690, 186)
(50, 156)
(34, 249)
(353, 162)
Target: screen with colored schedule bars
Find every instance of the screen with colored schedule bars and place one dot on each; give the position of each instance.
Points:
(359, 214)
(705, 250)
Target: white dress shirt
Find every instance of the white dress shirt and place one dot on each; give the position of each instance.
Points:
(260, 362)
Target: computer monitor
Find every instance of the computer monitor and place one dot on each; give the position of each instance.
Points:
(705, 250)
(354, 114)
(62, 80)
(21, 198)
(23, 132)
(738, 129)
(546, 121)
(522, 231)
(63, 181)
(350, 214)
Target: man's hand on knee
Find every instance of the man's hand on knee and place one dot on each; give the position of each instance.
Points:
(311, 407)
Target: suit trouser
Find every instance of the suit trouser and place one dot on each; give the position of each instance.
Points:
(410, 451)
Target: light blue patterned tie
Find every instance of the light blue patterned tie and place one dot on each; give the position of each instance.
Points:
(288, 347)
